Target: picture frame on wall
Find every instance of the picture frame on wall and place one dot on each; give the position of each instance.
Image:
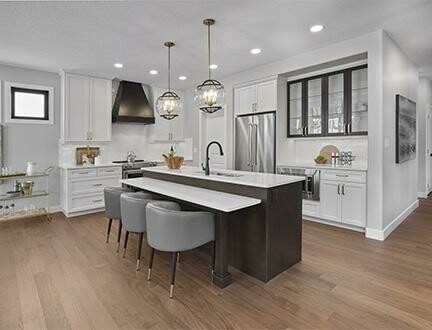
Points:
(406, 129)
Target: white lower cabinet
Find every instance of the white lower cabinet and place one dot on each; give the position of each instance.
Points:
(342, 199)
(330, 200)
(82, 188)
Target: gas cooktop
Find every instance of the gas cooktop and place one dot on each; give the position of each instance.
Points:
(137, 164)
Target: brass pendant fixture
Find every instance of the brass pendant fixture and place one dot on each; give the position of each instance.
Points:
(210, 95)
(168, 105)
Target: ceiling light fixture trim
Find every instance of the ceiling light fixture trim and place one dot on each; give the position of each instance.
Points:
(210, 95)
(168, 105)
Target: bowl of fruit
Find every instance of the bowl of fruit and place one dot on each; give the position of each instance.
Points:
(320, 160)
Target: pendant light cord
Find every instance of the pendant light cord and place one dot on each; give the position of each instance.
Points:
(169, 68)
(208, 44)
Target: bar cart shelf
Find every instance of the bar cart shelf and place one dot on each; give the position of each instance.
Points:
(38, 211)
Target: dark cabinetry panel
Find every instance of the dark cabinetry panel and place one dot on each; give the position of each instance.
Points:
(331, 104)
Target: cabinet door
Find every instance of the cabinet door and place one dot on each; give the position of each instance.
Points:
(336, 121)
(296, 100)
(314, 107)
(330, 200)
(77, 107)
(100, 110)
(354, 204)
(358, 113)
(245, 99)
(266, 96)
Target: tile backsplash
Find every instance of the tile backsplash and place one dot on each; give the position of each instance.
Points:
(307, 149)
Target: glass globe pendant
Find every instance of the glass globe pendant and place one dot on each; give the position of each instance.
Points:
(168, 105)
(210, 95)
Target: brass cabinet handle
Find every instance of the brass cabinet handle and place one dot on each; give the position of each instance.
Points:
(82, 173)
(97, 184)
(342, 175)
(338, 189)
(110, 171)
(307, 130)
(343, 189)
(96, 200)
(349, 128)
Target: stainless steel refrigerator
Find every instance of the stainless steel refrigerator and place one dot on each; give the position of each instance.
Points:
(255, 145)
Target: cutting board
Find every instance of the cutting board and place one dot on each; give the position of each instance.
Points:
(327, 150)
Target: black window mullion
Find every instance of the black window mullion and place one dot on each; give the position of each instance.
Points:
(348, 98)
(324, 105)
(305, 103)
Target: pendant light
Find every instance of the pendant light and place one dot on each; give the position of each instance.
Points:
(210, 95)
(168, 105)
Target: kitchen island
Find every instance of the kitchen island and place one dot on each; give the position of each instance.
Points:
(258, 215)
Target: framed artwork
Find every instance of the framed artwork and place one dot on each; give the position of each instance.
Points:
(406, 129)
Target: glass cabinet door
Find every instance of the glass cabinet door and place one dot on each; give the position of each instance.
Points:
(336, 100)
(359, 101)
(295, 109)
(314, 109)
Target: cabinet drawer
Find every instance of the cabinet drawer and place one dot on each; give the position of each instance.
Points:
(87, 172)
(109, 171)
(311, 208)
(83, 203)
(92, 185)
(344, 176)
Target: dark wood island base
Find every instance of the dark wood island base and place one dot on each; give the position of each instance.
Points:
(261, 241)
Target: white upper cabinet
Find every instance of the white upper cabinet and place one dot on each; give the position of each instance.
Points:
(245, 99)
(257, 97)
(87, 104)
(168, 130)
(266, 96)
(101, 106)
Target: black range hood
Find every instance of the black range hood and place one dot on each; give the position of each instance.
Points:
(131, 104)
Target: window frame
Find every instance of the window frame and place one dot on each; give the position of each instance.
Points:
(11, 87)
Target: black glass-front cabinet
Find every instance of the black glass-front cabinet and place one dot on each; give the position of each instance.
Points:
(331, 104)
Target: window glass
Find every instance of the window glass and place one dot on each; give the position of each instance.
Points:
(29, 104)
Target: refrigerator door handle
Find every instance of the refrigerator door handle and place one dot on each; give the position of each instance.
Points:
(250, 127)
(256, 145)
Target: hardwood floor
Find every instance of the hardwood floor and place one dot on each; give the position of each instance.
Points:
(62, 275)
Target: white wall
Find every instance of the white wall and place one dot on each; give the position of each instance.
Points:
(400, 180)
(30, 142)
(424, 133)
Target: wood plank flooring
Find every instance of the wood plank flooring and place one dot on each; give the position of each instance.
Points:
(62, 275)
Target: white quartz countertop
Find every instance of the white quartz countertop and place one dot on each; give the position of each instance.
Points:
(354, 167)
(260, 180)
(212, 199)
(89, 166)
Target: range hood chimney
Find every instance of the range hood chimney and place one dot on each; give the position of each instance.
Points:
(131, 104)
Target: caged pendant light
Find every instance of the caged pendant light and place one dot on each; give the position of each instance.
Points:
(210, 95)
(168, 105)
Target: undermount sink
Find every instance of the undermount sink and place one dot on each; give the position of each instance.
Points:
(230, 175)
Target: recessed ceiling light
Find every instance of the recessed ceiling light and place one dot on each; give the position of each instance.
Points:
(213, 66)
(182, 77)
(153, 72)
(316, 28)
(255, 51)
(118, 65)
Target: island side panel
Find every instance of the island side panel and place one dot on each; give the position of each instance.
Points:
(284, 227)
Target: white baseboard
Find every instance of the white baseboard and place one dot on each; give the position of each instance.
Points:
(332, 223)
(55, 209)
(422, 194)
(381, 235)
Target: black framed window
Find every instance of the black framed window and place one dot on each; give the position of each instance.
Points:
(29, 103)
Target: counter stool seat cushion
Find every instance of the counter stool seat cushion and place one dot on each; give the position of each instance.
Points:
(133, 211)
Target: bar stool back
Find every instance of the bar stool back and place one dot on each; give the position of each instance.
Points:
(133, 213)
(172, 230)
(112, 209)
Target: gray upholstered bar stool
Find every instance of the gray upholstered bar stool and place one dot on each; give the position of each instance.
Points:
(133, 212)
(171, 230)
(112, 209)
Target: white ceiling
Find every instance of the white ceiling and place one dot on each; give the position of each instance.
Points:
(89, 37)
